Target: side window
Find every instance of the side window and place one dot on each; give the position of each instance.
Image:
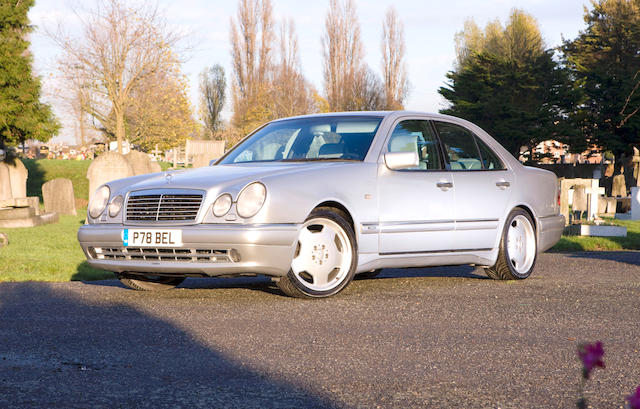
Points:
(416, 136)
(489, 159)
(460, 146)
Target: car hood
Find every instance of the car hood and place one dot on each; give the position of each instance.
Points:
(210, 176)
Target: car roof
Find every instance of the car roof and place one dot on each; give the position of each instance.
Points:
(368, 113)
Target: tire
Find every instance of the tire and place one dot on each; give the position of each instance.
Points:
(325, 259)
(518, 248)
(150, 283)
(368, 274)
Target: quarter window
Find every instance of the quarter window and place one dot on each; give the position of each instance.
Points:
(489, 159)
(460, 146)
(416, 136)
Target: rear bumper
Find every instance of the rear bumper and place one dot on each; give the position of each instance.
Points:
(207, 250)
(549, 231)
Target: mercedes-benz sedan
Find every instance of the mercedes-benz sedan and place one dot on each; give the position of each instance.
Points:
(312, 201)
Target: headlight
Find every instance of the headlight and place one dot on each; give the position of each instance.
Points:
(222, 205)
(251, 199)
(116, 206)
(99, 202)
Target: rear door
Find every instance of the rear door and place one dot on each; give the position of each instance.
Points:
(482, 186)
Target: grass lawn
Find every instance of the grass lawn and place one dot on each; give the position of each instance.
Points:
(47, 253)
(44, 170)
(585, 243)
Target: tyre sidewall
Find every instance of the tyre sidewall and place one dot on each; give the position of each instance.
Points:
(505, 248)
(337, 218)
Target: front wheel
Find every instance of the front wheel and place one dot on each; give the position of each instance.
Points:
(325, 257)
(150, 283)
(518, 248)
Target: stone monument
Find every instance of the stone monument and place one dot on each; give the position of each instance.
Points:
(141, 164)
(107, 167)
(619, 187)
(58, 196)
(16, 209)
(579, 200)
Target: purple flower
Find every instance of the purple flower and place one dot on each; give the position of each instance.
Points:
(634, 400)
(591, 356)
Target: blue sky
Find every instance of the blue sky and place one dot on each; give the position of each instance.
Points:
(429, 31)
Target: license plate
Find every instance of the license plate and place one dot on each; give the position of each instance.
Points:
(151, 238)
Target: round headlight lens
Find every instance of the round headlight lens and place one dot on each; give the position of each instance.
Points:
(116, 206)
(99, 202)
(251, 199)
(222, 205)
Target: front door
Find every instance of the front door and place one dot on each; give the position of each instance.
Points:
(416, 205)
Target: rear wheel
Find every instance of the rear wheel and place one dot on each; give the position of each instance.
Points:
(150, 283)
(518, 248)
(325, 258)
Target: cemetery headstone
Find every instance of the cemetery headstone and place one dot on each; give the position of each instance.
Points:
(619, 186)
(107, 167)
(579, 200)
(141, 163)
(5, 182)
(58, 196)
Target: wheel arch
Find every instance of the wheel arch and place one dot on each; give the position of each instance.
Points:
(332, 204)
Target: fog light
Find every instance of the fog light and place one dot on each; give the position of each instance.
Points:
(234, 255)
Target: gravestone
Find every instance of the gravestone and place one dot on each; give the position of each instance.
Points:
(5, 182)
(58, 196)
(619, 186)
(202, 159)
(107, 167)
(18, 174)
(141, 163)
(635, 203)
(579, 199)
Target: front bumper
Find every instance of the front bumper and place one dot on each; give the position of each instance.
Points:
(207, 250)
(549, 231)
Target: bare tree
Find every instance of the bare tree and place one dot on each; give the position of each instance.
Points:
(369, 92)
(252, 40)
(394, 70)
(119, 47)
(293, 95)
(343, 53)
(213, 86)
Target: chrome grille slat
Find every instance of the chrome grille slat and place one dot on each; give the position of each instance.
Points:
(190, 255)
(163, 207)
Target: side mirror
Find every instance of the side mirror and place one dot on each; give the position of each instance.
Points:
(401, 160)
(212, 161)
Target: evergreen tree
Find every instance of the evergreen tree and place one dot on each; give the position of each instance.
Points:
(22, 115)
(518, 103)
(605, 62)
(506, 82)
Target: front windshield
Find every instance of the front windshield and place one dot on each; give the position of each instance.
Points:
(308, 139)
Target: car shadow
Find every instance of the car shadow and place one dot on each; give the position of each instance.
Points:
(462, 271)
(64, 349)
(265, 284)
(627, 257)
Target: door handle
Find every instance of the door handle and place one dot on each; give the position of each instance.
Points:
(503, 184)
(444, 185)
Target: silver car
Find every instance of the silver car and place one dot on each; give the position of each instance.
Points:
(311, 201)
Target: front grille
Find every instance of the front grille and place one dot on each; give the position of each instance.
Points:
(161, 254)
(163, 207)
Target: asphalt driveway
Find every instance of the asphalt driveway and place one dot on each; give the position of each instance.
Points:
(433, 337)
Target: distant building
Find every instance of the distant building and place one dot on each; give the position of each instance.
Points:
(552, 151)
